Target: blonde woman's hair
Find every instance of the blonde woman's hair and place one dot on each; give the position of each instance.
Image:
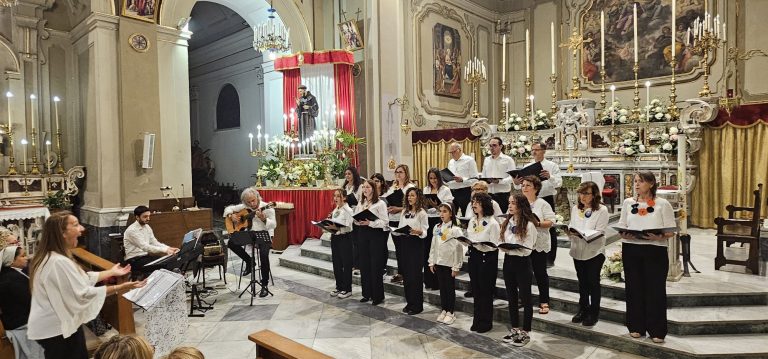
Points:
(185, 353)
(124, 347)
(4, 234)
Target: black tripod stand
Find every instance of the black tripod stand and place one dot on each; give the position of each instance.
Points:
(256, 239)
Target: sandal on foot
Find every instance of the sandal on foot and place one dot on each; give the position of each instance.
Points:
(543, 308)
(635, 335)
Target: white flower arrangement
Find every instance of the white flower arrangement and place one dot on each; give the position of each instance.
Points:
(270, 170)
(668, 142)
(614, 114)
(540, 120)
(613, 267)
(513, 123)
(520, 148)
(656, 111)
(630, 145)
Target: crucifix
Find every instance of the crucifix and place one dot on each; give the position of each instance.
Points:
(575, 43)
(357, 15)
(343, 16)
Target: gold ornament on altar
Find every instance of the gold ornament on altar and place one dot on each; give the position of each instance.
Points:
(475, 74)
(575, 43)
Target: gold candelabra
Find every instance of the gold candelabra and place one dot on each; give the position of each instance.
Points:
(504, 101)
(35, 165)
(11, 159)
(528, 108)
(575, 43)
(672, 95)
(553, 80)
(475, 78)
(636, 99)
(602, 88)
(59, 166)
(702, 45)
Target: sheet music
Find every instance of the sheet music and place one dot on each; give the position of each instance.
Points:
(159, 283)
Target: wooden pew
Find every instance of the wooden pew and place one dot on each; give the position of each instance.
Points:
(170, 227)
(117, 310)
(270, 345)
(6, 348)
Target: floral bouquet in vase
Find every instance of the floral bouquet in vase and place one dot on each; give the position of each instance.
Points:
(614, 114)
(669, 141)
(513, 123)
(520, 148)
(540, 121)
(613, 268)
(656, 111)
(270, 171)
(630, 145)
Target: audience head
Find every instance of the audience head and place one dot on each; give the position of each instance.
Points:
(380, 182)
(496, 145)
(480, 187)
(434, 178)
(142, 214)
(185, 353)
(13, 257)
(413, 200)
(339, 197)
(370, 193)
(539, 149)
(589, 196)
(124, 347)
(531, 186)
(7, 238)
(402, 175)
(455, 150)
(250, 197)
(645, 184)
(352, 178)
(482, 204)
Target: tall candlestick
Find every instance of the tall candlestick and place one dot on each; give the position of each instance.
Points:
(533, 109)
(613, 94)
(634, 26)
(258, 137)
(8, 96)
(602, 39)
(48, 155)
(552, 44)
(56, 100)
(32, 110)
(647, 93)
(504, 58)
(674, 26)
(250, 140)
(24, 149)
(527, 54)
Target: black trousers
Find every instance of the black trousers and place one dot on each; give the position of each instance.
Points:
(413, 279)
(447, 288)
(517, 279)
(397, 240)
(355, 252)
(645, 268)
(59, 347)
(461, 198)
(588, 273)
(373, 242)
(502, 198)
(245, 237)
(341, 255)
(484, 265)
(430, 279)
(539, 264)
(552, 231)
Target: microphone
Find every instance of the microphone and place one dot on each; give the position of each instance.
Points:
(166, 188)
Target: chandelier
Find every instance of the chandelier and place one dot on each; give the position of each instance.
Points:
(270, 36)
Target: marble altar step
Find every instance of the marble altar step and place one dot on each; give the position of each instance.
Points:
(686, 293)
(607, 332)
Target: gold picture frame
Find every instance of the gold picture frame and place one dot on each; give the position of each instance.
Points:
(350, 35)
(144, 10)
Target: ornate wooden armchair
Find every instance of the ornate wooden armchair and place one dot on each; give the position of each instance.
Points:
(610, 191)
(740, 230)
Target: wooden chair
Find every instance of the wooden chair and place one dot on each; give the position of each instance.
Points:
(740, 230)
(610, 191)
(215, 254)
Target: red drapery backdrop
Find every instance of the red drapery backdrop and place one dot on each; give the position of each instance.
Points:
(744, 115)
(345, 97)
(309, 205)
(291, 82)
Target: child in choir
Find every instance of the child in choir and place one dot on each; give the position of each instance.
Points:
(372, 237)
(445, 259)
(482, 187)
(483, 260)
(588, 257)
(352, 182)
(519, 228)
(435, 187)
(401, 184)
(341, 244)
(645, 260)
(530, 187)
(414, 216)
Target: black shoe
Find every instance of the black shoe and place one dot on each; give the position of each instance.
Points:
(405, 310)
(468, 294)
(247, 271)
(264, 292)
(414, 312)
(364, 300)
(579, 317)
(589, 320)
(377, 302)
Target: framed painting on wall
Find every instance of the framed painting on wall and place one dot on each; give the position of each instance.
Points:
(350, 35)
(140, 9)
(654, 31)
(446, 47)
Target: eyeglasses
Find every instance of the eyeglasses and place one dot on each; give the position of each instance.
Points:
(494, 145)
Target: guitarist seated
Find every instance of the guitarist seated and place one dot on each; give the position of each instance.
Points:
(251, 215)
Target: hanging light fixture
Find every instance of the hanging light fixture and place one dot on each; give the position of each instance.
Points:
(270, 36)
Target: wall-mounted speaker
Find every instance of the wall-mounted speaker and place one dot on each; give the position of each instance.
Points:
(148, 157)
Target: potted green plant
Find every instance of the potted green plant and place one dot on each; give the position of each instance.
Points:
(57, 201)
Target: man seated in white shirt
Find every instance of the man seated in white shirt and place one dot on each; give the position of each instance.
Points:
(263, 220)
(141, 246)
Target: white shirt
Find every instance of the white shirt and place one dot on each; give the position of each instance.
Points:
(140, 241)
(63, 298)
(485, 230)
(445, 249)
(394, 217)
(443, 194)
(548, 187)
(598, 221)
(544, 211)
(663, 216)
(466, 168)
(269, 224)
(496, 209)
(379, 209)
(418, 220)
(498, 168)
(527, 241)
(343, 216)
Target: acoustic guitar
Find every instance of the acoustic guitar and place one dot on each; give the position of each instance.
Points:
(246, 216)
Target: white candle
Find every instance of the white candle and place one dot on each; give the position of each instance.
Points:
(634, 25)
(647, 100)
(674, 26)
(504, 58)
(552, 44)
(48, 155)
(258, 137)
(266, 141)
(56, 100)
(532, 108)
(527, 54)
(613, 94)
(687, 37)
(24, 149)
(32, 98)
(724, 32)
(602, 40)
(8, 96)
(250, 140)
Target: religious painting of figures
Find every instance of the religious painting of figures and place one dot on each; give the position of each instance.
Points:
(654, 32)
(140, 9)
(350, 35)
(446, 46)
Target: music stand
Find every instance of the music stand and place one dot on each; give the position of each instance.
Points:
(190, 255)
(256, 239)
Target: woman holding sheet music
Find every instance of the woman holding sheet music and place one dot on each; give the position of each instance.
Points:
(341, 244)
(352, 182)
(519, 228)
(645, 258)
(588, 216)
(64, 297)
(395, 197)
(436, 193)
(413, 218)
(483, 260)
(531, 186)
(372, 237)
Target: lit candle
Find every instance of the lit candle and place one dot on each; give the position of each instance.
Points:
(8, 96)
(266, 141)
(527, 54)
(56, 100)
(724, 32)
(341, 112)
(504, 58)
(32, 98)
(285, 123)
(613, 94)
(24, 149)
(258, 137)
(647, 100)
(602, 40)
(634, 25)
(674, 26)
(532, 108)
(48, 155)
(250, 140)
(552, 44)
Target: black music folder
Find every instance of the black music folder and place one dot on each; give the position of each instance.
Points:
(446, 175)
(351, 200)
(588, 235)
(395, 198)
(532, 170)
(432, 200)
(640, 233)
(402, 231)
(365, 215)
(488, 180)
(326, 225)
